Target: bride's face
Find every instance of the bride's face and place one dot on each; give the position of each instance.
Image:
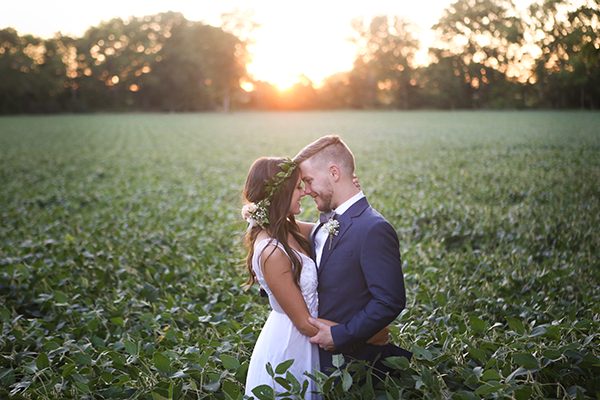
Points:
(295, 205)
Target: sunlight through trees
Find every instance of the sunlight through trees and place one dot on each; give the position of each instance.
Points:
(487, 54)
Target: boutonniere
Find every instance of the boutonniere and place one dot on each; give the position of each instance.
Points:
(331, 227)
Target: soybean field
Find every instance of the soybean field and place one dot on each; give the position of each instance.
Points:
(121, 252)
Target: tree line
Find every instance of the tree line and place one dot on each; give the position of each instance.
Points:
(487, 54)
(160, 62)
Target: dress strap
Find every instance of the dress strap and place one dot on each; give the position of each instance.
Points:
(257, 258)
(268, 242)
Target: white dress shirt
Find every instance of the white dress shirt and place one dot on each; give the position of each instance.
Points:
(321, 237)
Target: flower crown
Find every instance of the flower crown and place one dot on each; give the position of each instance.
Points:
(258, 214)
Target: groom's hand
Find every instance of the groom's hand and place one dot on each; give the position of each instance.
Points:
(355, 181)
(323, 337)
(381, 338)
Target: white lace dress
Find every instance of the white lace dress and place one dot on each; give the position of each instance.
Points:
(279, 339)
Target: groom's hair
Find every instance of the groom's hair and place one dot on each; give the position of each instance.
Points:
(329, 148)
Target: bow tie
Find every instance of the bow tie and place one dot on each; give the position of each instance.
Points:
(325, 217)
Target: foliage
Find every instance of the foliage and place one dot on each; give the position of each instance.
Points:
(487, 54)
(30, 70)
(476, 53)
(159, 62)
(121, 261)
(483, 31)
(568, 70)
(385, 60)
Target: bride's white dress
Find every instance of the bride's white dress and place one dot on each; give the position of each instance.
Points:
(279, 339)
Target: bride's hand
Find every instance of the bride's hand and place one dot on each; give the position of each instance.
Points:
(355, 181)
(381, 338)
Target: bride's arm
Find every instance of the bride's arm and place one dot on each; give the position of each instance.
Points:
(381, 338)
(277, 270)
(305, 228)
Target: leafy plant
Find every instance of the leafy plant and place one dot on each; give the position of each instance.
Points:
(121, 253)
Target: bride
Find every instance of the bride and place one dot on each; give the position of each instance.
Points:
(278, 259)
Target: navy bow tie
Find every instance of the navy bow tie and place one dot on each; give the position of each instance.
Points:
(325, 217)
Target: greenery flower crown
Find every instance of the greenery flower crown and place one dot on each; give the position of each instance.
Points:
(258, 214)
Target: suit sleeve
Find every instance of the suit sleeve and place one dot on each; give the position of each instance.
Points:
(382, 269)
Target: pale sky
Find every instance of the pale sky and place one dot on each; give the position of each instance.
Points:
(305, 37)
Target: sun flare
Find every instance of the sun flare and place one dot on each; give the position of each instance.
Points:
(282, 58)
(285, 82)
(247, 86)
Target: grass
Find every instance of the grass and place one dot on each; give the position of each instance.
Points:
(120, 250)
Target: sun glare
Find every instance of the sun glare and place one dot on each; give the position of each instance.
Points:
(285, 82)
(285, 72)
(247, 86)
(287, 48)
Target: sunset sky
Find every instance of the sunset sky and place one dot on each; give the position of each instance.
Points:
(305, 38)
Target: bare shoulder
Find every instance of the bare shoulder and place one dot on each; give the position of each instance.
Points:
(260, 237)
(275, 258)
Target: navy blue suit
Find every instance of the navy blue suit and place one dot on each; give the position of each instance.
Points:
(361, 284)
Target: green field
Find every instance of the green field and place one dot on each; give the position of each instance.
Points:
(120, 250)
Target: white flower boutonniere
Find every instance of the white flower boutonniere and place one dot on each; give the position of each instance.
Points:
(331, 227)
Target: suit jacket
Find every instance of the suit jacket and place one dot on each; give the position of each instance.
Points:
(361, 284)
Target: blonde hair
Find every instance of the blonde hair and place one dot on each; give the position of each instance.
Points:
(329, 148)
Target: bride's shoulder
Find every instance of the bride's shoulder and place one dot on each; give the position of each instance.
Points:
(271, 254)
(263, 241)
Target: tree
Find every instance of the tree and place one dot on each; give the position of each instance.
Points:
(567, 73)
(200, 67)
(158, 62)
(442, 85)
(335, 92)
(241, 24)
(109, 64)
(382, 73)
(483, 40)
(31, 74)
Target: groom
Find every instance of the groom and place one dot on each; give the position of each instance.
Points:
(361, 285)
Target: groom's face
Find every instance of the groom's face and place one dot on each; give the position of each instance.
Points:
(317, 185)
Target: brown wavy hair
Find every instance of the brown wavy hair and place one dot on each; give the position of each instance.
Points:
(281, 222)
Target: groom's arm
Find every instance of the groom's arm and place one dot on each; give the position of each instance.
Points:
(382, 269)
(305, 228)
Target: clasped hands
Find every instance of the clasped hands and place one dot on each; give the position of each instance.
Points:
(325, 341)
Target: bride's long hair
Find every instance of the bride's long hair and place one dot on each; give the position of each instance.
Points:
(281, 221)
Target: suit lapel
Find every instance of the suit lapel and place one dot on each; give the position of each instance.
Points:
(345, 221)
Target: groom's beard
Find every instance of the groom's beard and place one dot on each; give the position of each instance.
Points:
(326, 200)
